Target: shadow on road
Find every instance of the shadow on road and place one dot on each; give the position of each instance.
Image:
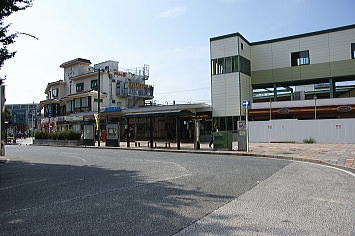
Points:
(40, 198)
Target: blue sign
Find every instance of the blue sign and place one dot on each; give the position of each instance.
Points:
(246, 103)
(112, 109)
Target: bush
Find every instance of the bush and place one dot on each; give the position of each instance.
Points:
(310, 140)
(58, 135)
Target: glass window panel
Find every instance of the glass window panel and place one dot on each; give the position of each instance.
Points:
(77, 103)
(68, 106)
(85, 102)
(228, 61)
(220, 66)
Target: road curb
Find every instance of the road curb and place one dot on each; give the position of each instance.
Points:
(229, 153)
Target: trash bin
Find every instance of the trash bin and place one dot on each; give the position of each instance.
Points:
(222, 140)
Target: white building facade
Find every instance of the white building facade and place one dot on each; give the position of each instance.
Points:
(75, 98)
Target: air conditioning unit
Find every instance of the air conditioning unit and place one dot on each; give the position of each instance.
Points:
(300, 95)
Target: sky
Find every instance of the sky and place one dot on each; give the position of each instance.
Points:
(171, 36)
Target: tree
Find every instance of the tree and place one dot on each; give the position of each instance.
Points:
(7, 7)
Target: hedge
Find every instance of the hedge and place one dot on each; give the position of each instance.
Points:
(58, 135)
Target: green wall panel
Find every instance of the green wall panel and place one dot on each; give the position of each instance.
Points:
(305, 72)
(340, 68)
(262, 76)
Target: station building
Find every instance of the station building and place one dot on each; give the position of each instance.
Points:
(277, 69)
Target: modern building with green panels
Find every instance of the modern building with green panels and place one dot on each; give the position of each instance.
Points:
(239, 66)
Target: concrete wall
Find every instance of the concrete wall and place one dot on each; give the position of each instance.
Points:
(322, 131)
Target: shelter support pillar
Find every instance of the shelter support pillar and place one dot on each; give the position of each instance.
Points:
(151, 132)
(332, 88)
(127, 133)
(275, 92)
(197, 134)
(178, 132)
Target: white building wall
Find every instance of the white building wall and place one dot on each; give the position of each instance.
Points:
(323, 48)
(224, 47)
(232, 94)
(246, 51)
(318, 47)
(339, 44)
(322, 131)
(261, 57)
(218, 95)
(281, 52)
(246, 91)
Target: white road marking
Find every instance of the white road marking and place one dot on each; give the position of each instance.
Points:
(19, 185)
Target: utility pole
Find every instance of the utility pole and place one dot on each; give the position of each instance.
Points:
(98, 108)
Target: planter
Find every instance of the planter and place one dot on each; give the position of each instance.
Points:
(51, 142)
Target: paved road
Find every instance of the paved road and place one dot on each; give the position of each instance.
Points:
(69, 191)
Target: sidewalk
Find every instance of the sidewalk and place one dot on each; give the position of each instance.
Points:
(339, 155)
(342, 155)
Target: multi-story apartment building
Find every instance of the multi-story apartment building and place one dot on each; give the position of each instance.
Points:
(76, 96)
(238, 67)
(24, 116)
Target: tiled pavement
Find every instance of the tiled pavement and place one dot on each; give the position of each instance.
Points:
(337, 154)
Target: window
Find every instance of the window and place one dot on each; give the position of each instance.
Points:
(94, 84)
(113, 101)
(79, 87)
(220, 66)
(214, 67)
(245, 65)
(353, 51)
(235, 64)
(68, 106)
(85, 102)
(242, 46)
(228, 62)
(55, 92)
(300, 58)
(77, 103)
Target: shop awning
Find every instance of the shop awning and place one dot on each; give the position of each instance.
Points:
(159, 113)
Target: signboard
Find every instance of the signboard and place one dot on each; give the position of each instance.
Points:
(112, 109)
(140, 90)
(246, 103)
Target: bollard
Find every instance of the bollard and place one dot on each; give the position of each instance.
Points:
(155, 144)
(135, 144)
(139, 144)
(148, 144)
(166, 145)
(169, 145)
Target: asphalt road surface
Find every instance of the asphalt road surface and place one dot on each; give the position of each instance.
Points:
(74, 191)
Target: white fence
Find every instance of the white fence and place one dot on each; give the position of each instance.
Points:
(322, 131)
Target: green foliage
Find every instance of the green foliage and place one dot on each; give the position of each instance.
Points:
(7, 7)
(310, 140)
(58, 135)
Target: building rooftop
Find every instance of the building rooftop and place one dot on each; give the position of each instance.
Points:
(285, 38)
(75, 61)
